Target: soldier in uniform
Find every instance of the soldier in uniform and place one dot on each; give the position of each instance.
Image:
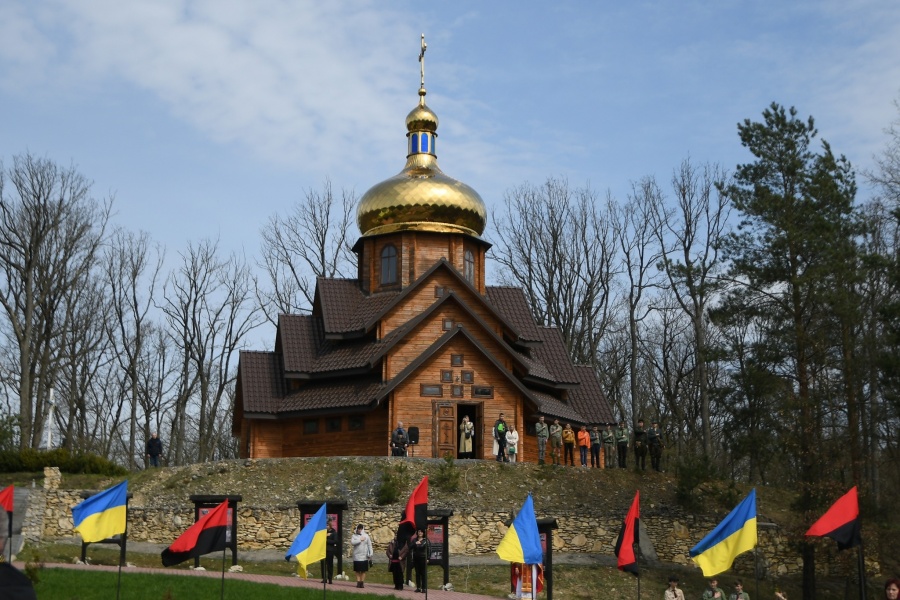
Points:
(542, 430)
(555, 441)
(640, 446)
(609, 447)
(654, 441)
(623, 437)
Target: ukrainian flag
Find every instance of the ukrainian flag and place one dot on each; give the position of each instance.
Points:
(736, 534)
(522, 542)
(102, 515)
(309, 545)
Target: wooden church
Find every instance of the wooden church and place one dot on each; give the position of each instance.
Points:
(417, 337)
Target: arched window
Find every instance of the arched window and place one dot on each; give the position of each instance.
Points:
(469, 269)
(388, 265)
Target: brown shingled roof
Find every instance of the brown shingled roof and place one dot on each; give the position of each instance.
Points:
(345, 308)
(260, 381)
(327, 395)
(588, 398)
(554, 407)
(512, 304)
(554, 354)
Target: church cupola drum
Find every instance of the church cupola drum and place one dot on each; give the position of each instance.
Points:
(421, 197)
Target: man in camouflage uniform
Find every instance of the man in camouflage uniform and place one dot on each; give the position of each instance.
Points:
(542, 431)
(609, 447)
(654, 442)
(623, 437)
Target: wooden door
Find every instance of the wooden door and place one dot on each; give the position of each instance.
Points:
(445, 428)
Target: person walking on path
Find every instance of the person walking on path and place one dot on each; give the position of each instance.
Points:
(154, 449)
(542, 431)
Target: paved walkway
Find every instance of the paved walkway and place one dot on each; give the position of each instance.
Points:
(379, 589)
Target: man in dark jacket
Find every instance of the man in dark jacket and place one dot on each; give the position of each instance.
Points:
(500, 429)
(154, 449)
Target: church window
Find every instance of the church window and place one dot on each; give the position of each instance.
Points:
(447, 324)
(469, 267)
(482, 391)
(333, 424)
(356, 423)
(456, 391)
(311, 426)
(456, 360)
(446, 375)
(388, 265)
(468, 377)
(431, 390)
(439, 291)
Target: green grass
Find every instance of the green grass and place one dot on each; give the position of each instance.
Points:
(63, 584)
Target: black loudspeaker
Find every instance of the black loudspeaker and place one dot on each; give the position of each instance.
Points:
(413, 435)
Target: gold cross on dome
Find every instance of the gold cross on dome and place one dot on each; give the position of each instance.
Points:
(422, 61)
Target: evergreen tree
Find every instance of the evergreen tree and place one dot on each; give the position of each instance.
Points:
(792, 245)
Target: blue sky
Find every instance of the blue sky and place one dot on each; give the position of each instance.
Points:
(205, 118)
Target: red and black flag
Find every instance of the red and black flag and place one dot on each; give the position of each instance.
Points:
(415, 516)
(6, 498)
(205, 536)
(840, 522)
(629, 536)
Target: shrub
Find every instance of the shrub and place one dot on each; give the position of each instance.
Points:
(447, 476)
(692, 472)
(393, 479)
(36, 460)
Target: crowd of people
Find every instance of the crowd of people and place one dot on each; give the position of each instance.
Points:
(597, 449)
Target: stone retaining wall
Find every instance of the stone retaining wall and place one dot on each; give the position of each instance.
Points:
(671, 532)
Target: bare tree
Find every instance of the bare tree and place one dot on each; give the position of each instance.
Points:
(691, 234)
(209, 313)
(131, 266)
(634, 236)
(311, 241)
(50, 230)
(557, 247)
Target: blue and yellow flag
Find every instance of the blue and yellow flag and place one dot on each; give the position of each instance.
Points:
(102, 515)
(522, 542)
(309, 545)
(735, 534)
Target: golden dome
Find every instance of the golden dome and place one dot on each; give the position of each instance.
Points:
(421, 197)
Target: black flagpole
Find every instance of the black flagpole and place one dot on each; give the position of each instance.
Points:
(119, 581)
(862, 573)
(9, 539)
(756, 566)
(637, 565)
(324, 578)
(223, 574)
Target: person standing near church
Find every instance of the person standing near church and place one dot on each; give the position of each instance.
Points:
(609, 447)
(623, 437)
(640, 446)
(500, 429)
(466, 437)
(399, 440)
(555, 441)
(655, 445)
(595, 447)
(512, 443)
(154, 449)
(542, 431)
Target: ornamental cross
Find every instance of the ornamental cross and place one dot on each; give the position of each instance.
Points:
(422, 61)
